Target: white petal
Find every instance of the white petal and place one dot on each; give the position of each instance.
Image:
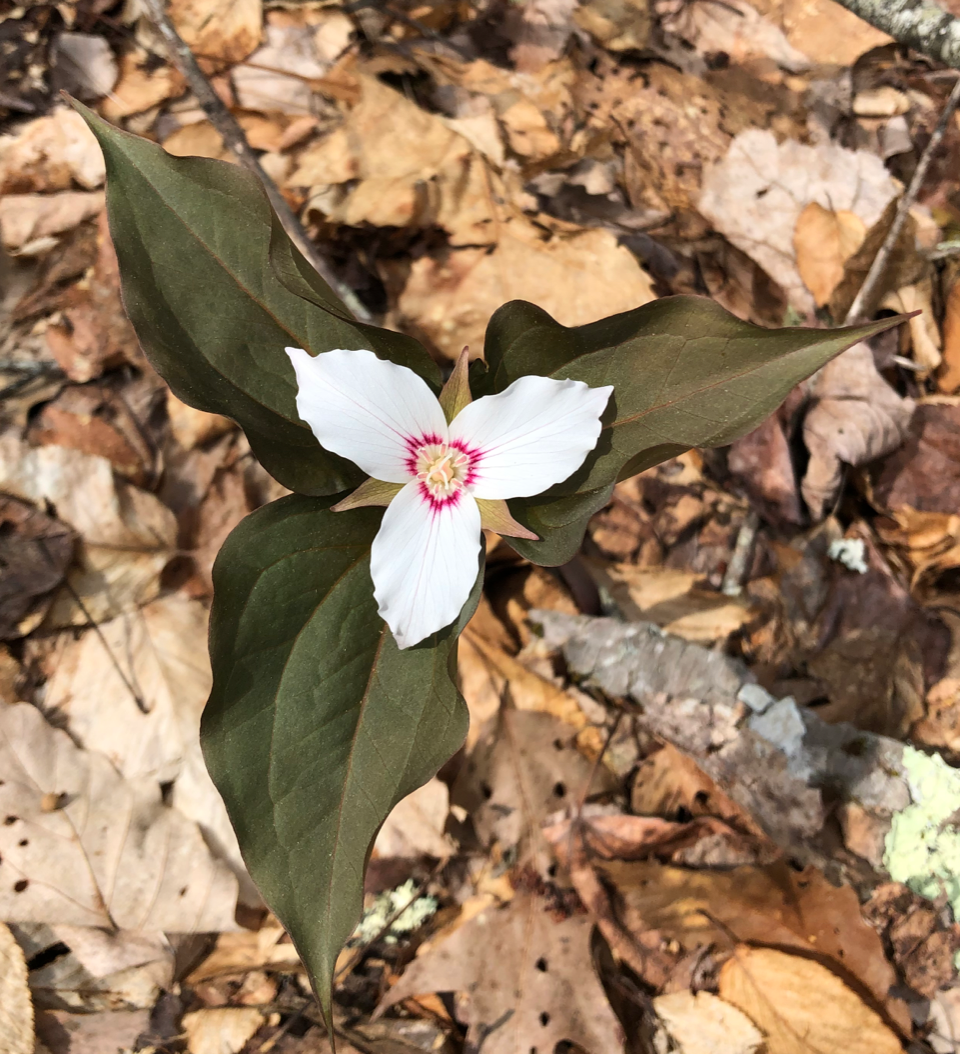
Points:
(424, 562)
(534, 434)
(366, 409)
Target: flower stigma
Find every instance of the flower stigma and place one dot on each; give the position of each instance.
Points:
(442, 469)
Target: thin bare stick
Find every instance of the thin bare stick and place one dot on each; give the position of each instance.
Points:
(869, 288)
(233, 136)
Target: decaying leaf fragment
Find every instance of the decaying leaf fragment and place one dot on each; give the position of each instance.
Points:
(16, 1006)
(529, 978)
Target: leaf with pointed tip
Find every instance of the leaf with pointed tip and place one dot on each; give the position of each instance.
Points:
(192, 237)
(685, 373)
(318, 724)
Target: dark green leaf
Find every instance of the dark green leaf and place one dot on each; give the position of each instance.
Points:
(686, 373)
(193, 237)
(317, 724)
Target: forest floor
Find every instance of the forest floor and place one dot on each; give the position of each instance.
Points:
(707, 801)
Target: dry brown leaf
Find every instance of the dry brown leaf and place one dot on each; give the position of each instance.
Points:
(524, 767)
(925, 472)
(924, 334)
(108, 853)
(700, 1023)
(540, 30)
(30, 222)
(85, 65)
(856, 417)
(277, 76)
(191, 427)
(619, 25)
(738, 30)
(247, 950)
(763, 461)
(671, 599)
(99, 970)
(160, 653)
(801, 1007)
(223, 1030)
(35, 552)
(578, 278)
(103, 1032)
(226, 30)
(529, 978)
(756, 194)
(528, 132)
(490, 675)
(51, 153)
(415, 826)
(126, 536)
(140, 87)
(199, 139)
(772, 905)
(16, 1006)
(824, 31)
(823, 241)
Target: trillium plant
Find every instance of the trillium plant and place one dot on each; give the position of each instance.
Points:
(336, 609)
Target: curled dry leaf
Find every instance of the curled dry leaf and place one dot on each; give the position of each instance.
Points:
(924, 473)
(529, 978)
(801, 1007)
(855, 417)
(755, 197)
(83, 846)
(16, 1005)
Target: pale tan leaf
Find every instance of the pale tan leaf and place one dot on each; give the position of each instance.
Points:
(824, 240)
(223, 1030)
(16, 1006)
(51, 153)
(700, 1023)
(801, 1007)
(415, 826)
(140, 86)
(89, 848)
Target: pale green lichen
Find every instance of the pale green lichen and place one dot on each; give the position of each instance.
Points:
(416, 911)
(922, 848)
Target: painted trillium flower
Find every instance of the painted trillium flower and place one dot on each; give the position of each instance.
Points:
(443, 467)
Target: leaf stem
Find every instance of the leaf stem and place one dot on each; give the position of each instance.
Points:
(235, 139)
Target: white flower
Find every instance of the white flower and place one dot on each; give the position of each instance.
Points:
(443, 467)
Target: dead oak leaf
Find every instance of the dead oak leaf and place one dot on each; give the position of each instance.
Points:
(529, 978)
(227, 30)
(823, 241)
(801, 1006)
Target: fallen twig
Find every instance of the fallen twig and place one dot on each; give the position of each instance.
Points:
(234, 138)
(869, 288)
